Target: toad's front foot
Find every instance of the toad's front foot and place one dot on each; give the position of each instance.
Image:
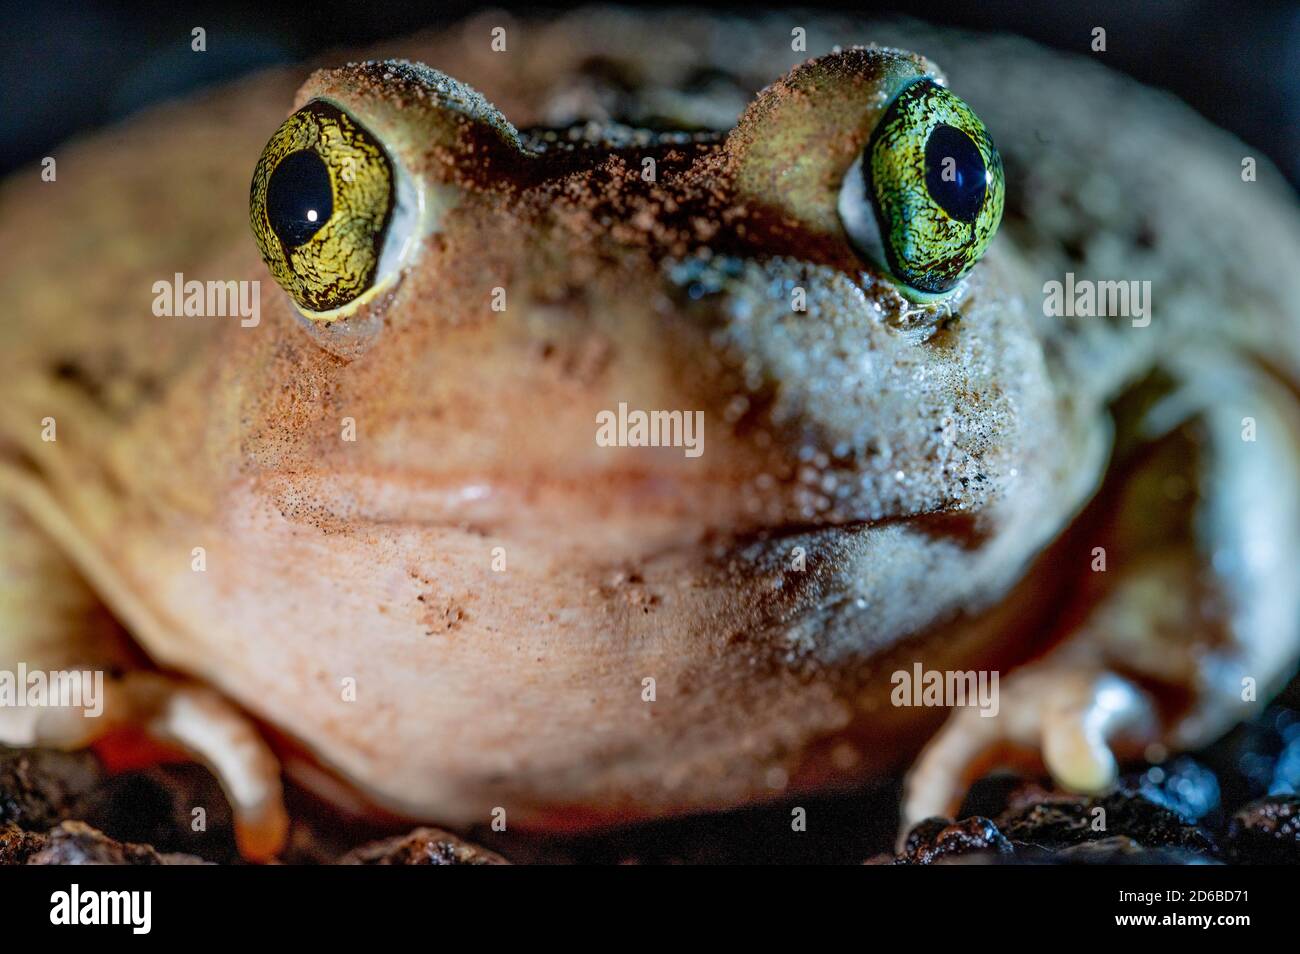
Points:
(1193, 593)
(188, 716)
(1072, 718)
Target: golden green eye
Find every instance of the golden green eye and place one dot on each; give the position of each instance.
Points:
(321, 205)
(925, 197)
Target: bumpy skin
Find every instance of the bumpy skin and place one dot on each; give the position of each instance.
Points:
(930, 462)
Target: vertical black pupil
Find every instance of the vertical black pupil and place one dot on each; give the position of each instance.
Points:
(298, 197)
(954, 172)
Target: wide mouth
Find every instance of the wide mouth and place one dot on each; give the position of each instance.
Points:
(624, 512)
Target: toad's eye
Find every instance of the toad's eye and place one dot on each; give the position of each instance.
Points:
(324, 200)
(925, 196)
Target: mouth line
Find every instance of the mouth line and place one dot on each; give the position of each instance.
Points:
(454, 500)
(661, 512)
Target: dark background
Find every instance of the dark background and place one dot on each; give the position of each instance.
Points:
(70, 67)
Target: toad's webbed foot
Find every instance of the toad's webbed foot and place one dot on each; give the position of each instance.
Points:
(1072, 718)
(1191, 616)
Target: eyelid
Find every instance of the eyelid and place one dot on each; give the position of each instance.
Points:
(425, 119)
(794, 142)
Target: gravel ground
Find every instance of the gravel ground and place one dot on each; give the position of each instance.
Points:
(1233, 803)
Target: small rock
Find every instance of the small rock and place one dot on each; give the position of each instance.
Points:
(1115, 850)
(937, 839)
(17, 845)
(424, 846)
(1267, 831)
(41, 787)
(76, 843)
(1065, 820)
(1101, 851)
